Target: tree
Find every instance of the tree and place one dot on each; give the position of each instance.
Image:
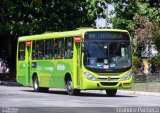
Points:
(138, 17)
(29, 17)
(143, 31)
(125, 10)
(156, 39)
(32, 16)
(154, 3)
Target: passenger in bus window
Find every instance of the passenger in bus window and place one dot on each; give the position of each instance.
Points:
(46, 56)
(60, 49)
(68, 48)
(68, 52)
(36, 53)
(22, 55)
(60, 54)
(55, 47)
(39, 52)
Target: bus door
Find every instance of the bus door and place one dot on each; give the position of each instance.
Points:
(78, 49)
(23, 63)
(28, 61)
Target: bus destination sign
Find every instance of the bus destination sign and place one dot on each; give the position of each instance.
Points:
(89, 36)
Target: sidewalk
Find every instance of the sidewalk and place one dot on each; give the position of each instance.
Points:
(136, 93)
(119, 92)
(6, 83)
(128, 92)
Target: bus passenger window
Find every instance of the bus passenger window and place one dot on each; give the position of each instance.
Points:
(40, 49)
(59, 48)
(68, 48)
(49, 53)
(21, 51)
(55, 47)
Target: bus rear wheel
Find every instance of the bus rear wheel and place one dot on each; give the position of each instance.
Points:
(70, 89)
(111, 92)
(36, 86)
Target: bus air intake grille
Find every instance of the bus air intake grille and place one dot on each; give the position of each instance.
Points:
(113, 79)
(109, 83)
(109, 74)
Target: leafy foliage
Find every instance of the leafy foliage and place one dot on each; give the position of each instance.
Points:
(124, 11)
(156, 39)
(136, 62)
(138, 17)
(29, 17)
(155, 63)
(144, 28)
(37, 16)
(127, 10)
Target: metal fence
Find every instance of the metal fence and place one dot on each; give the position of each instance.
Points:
(147, 82)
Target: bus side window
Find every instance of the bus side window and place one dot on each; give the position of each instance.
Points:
(49, 49)
(21, 51)
(40, 49)
(59, 48)
(68, 48)
(55, 47)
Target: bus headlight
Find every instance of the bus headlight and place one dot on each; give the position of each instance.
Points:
(89, 76)
(126, 77)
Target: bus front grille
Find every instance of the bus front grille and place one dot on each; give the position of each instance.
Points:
(109, 74)
(112, 79)
(109, 83)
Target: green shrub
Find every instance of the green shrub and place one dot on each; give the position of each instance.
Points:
(155, 63)
(136, 62)
(156, 39)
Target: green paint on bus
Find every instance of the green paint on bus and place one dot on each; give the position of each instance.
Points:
(83, 59)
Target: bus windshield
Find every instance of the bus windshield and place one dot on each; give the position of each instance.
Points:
(104, 53)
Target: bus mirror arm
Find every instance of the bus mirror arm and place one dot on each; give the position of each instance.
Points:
(82, 48)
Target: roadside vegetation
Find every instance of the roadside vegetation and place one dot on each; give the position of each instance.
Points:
(140, 17)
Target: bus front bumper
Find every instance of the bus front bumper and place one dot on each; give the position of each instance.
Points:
(102, 85)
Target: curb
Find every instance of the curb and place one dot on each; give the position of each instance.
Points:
(6, 83)
(135, 93)
(127, 93)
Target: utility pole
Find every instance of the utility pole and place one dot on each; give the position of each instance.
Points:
(106, 14)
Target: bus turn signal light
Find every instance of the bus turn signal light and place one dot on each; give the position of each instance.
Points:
(28, 43)
(77, 39)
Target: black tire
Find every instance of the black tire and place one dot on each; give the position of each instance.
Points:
(36, 86)
(70, 89)
(111, 92)
(44, 89)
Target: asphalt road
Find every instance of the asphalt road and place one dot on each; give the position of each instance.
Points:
(57, 100)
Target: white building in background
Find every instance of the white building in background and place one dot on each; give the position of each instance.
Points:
(102, 22)
(149, 51)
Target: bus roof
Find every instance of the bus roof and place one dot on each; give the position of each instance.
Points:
(78, 32)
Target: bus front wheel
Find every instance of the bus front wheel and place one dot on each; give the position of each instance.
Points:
(111, 92)
(70, 89)
(36, 86)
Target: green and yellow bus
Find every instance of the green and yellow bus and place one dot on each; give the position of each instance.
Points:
(82, 59)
